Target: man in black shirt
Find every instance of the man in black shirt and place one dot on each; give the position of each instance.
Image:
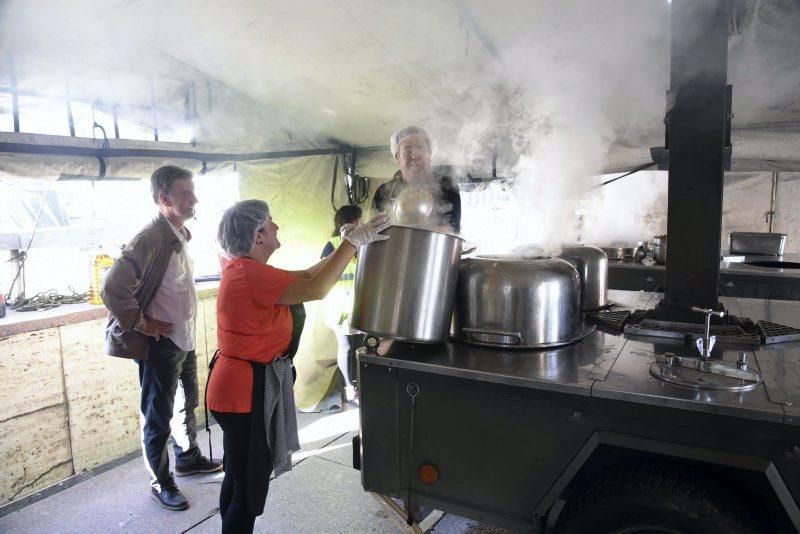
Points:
(412, 149)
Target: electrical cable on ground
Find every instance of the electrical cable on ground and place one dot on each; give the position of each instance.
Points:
(48, 299)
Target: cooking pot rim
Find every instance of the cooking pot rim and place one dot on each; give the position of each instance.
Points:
(577, 246)
(411, 227)
(628, 244)
(510, 257)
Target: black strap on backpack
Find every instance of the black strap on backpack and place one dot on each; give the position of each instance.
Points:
(205, 403)
(298, 312)
(298, 321)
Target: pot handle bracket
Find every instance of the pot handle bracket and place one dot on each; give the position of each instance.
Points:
(371, 344)
(493, 337)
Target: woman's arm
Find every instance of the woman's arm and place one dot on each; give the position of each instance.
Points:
(307, 274)
(327, 272)
(321, 277)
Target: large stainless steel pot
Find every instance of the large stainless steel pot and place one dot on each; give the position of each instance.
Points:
(405, 286)
(521, 303)
(592, 266)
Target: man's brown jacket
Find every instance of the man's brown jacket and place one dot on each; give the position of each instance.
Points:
(131, 284)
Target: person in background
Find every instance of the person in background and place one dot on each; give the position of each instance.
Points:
(250, 383)
(412, 148)
(152, 304)
(339, 303)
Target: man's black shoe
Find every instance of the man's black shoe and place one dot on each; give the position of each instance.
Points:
(202, 465)
(170, 497)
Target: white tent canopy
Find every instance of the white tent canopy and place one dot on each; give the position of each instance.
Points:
(507, 76)
(559, 91)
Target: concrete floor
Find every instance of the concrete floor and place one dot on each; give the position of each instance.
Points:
(322, 494)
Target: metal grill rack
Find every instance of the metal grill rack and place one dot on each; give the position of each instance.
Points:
(777, 333)
(724, 333)
(610, 319)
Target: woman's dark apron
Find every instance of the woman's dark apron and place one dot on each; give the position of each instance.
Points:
(259, 458)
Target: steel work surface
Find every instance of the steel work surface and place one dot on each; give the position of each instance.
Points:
(614, 366)
(737, 279)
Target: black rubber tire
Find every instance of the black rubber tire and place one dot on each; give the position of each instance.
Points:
(655, 498)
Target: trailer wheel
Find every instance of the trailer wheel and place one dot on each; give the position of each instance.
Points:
(655, 498)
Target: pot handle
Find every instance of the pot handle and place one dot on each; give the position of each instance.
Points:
(488, 335)
(467, 247)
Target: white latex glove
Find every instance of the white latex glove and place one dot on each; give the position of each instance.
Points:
(367, 233)
(345, 229)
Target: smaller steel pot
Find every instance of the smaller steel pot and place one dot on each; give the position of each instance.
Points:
(633, 252)
(592, 266)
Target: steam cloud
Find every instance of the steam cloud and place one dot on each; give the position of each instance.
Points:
(552, 113)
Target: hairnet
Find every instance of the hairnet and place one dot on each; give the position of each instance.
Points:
(398, 136)
(239, 224)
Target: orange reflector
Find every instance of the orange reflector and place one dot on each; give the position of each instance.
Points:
(428, 474)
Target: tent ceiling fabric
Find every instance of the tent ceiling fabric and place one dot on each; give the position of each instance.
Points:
(481, 75)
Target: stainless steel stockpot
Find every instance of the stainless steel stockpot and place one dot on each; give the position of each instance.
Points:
(405, 286)
(592, 266)
(518, 303)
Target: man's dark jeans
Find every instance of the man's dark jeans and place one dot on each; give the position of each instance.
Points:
(167, 368)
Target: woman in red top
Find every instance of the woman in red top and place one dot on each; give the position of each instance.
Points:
(254, 328)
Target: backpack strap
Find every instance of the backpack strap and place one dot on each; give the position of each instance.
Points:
(205, 402)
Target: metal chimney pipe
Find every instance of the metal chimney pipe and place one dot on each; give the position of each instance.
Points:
(698, 79)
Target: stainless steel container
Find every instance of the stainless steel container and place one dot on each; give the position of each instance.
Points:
(405, 286)
(756, 243)
(660, 249)
(518, 303)
(627, 252)
(592, 266)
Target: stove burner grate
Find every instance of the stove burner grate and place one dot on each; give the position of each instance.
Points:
(724, 333)
(611, 319)
(777, 333)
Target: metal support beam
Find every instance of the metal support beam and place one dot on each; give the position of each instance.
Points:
(153, 106)
(698, 78)
(115, 115)
(14, 92)
(773, 197)
(65, 150)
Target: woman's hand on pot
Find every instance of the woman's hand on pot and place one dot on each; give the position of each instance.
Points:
(369, 232)
(345, 229)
